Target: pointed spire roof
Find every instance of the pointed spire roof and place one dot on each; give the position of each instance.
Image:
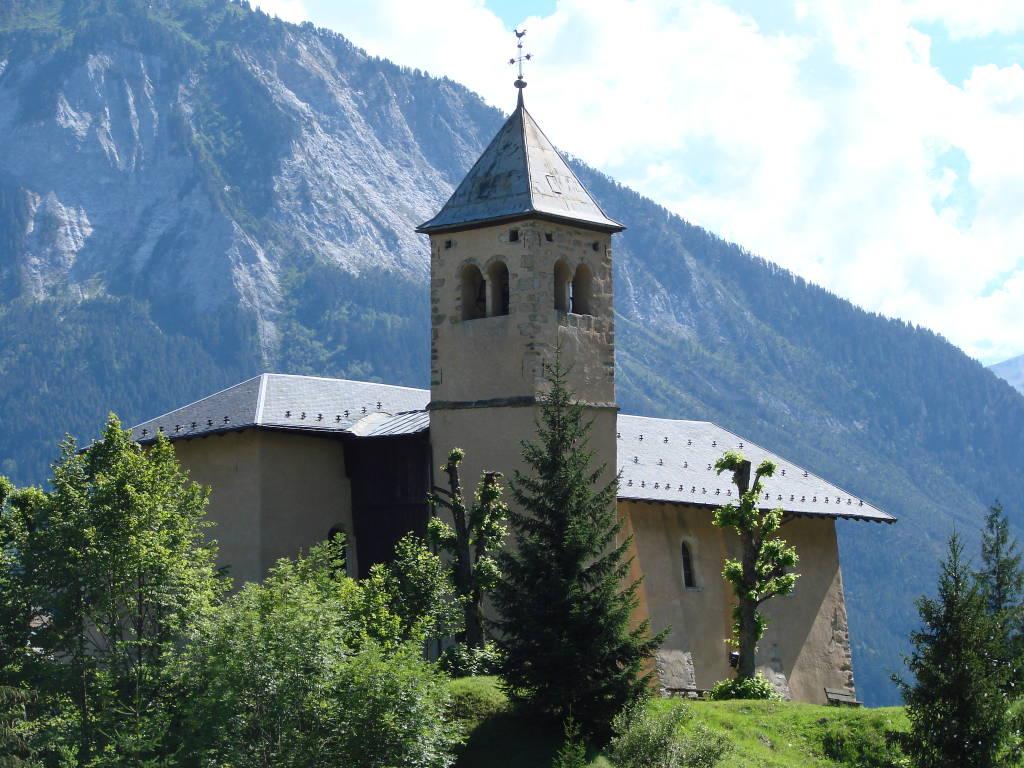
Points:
(520, 175)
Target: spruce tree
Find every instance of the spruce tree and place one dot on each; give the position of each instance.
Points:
(957, 709)
(565, 603)
(1002, 585)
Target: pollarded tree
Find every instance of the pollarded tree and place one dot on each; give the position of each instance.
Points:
(764, 569)
(565, 599)
(956, 705)
(473, 542)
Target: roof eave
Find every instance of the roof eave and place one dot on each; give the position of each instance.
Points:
(888, 519)
(612, 227)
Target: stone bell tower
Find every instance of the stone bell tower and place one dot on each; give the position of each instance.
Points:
(521, 265)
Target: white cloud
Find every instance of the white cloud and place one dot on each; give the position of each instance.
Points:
(828, 144)
(971, 18)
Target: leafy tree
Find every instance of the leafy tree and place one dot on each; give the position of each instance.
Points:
(956, 706)
(1001, 579)
(14, 749)
(473, 542)
(417, 588)
(565, 602)
(288, 674)
(764, 569)
(16, 604)
(119, 571)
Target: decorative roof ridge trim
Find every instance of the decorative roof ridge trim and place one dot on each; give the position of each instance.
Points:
(260, 398)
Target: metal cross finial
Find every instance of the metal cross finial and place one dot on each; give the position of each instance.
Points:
(519, 58)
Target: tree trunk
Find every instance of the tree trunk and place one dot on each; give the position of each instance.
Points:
(748, 613)
(746, 668)
(463, 562)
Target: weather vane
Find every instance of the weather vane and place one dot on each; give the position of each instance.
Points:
(519, 59)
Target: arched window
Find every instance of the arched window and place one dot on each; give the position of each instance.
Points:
(689, 579)
(474, 302)
(582, 288)
(563, 281)
(497, 282)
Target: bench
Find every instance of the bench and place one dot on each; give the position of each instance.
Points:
(840, 697)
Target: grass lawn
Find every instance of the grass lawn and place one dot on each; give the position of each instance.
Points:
(765, 734)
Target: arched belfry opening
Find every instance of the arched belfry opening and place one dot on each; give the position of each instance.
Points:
(498, 289)
(474, 300)
(563, 286)
(582, 290)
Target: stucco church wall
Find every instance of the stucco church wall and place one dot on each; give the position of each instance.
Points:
(273, 494)
(493, 437)
(807, 640)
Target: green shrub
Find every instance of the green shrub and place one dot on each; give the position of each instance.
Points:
(285, 675)
(471, 700)
(756, 687)
(460, 660)
(860, 748)
(645, 739)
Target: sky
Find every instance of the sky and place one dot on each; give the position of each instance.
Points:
(873, 147)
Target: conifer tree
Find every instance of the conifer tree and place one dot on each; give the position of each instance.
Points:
(1001, 579)
(957, 709)
(565, 601)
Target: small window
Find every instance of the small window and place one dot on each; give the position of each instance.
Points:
(582, 286)
(474, 299)
(563, 283)
(689, 580)
(497, 281)
(447, 244)
(513, 235)
(549, 236)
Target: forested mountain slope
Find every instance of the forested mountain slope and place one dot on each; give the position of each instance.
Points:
(192, 192)
(1012, 371)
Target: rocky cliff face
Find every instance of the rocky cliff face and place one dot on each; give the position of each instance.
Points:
(191, 192)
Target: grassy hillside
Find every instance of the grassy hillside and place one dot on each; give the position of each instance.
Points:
(764, 734)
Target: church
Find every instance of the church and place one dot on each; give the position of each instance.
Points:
(520, 265)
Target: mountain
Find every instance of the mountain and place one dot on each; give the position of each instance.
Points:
(1011, 370)
(197, 192)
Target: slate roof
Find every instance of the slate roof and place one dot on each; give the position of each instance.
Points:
(281, 401)
(672, 463)
(520, 174)
(670, 460)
